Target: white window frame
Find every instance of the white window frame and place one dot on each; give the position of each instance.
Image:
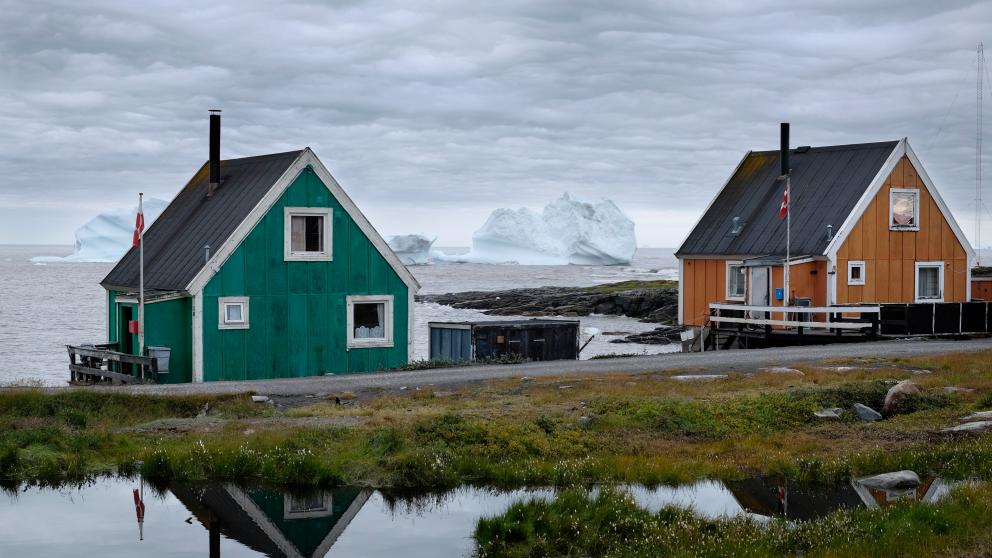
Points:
(850, 276)
(738, 263)
(222, 304)
(387, 341)
(940, 281)
(327, 254)
(916, 209)
(326, 509)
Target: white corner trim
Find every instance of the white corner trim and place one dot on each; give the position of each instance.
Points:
(410, 325)
(831, 282)
(325, 255)
(874, 187)
(851, 264)
(932, 189)
(713, 200)
(197, 349)
(967, 281)
(681, 290)
(263, 521)
(916, 281)
(387, 341)
(223, 302)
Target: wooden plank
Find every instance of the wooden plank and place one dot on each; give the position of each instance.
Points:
(936, 230)
(790, 323)
(79, 370)
(110, 355)
(879, 277)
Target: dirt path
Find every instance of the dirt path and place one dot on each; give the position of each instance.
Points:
(709, 362)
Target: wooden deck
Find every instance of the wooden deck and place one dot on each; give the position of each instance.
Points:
(89, 364)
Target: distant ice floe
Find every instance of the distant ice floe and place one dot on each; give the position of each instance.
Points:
(412, 249)
(108, 236)
(567, 231)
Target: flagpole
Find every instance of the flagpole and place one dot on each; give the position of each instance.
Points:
(141, 278)
(788, 238)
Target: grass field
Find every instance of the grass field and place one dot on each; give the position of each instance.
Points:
(565, 431)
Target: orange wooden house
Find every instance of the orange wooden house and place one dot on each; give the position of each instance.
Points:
(868, 227)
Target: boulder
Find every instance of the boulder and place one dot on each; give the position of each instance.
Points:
(979, 415)
(834, 413)
(781, 370)
(892, 481)
(866, 413)
(975, 426)
(896, 394)
(699, 377)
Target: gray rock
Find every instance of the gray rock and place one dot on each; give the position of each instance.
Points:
(892, 481)
(699, 377)
(585, 421)
(956, 389)
(259, 398)
(921, 372)
(980, 415)
(834, 413)
(897, 393)
(781, 370)
(527, 379)
(866, 413)
(976, 426)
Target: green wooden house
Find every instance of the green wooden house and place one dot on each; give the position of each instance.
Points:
(262, 267)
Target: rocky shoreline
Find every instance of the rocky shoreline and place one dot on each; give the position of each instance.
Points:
(647, 301)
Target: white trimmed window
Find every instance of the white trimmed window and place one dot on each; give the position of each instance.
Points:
(929, 281)
(856, 273)
(308, 234)
(232, 312)
(370, 321)
(904, 209)
(319, 504)
(735, 280)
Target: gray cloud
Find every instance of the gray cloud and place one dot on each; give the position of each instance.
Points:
(431, 115)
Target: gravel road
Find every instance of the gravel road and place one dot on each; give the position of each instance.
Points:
(702, 363)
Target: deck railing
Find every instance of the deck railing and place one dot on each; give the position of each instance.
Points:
(799, 317)
(95, 363)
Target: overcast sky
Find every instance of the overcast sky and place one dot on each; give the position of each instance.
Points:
(431, 114)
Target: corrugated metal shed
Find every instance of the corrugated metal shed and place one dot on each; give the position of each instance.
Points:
(827, 183)
(174, 243)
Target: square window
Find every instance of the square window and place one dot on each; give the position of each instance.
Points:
(232, 312)
(318, 504)
(308, 234)
(370, 321)
(904, 209)
(856, 273)
(930, 282)
(735, 281)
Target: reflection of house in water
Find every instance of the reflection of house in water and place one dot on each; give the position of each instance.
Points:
(769, 497)
(273, 523)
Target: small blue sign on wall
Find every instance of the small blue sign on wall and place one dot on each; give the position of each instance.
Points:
(779, 294)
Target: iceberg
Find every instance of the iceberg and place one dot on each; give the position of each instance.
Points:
(108, 236)
(567, 231)
(412, 249)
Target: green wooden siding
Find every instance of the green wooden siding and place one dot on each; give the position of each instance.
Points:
(297, 309)
(167, 324)
(306, 534)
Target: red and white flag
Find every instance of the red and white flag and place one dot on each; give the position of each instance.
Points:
(139, 225)
(784, 208)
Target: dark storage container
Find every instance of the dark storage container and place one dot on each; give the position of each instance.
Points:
(532, 339)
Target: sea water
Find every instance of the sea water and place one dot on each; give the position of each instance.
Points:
(44, 307)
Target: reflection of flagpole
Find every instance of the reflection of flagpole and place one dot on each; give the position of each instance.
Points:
(139, 509)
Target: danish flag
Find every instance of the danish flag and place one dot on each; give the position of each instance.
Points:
(784, 208)
(139, 226)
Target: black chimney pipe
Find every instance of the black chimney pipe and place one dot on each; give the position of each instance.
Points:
(785, 148)
(214, 163)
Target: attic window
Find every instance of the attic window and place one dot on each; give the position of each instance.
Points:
(308, 234)
(904, 209)
(855, 273)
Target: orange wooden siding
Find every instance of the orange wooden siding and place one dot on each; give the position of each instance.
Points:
(981, 289)
(703, 282)
(890, 256)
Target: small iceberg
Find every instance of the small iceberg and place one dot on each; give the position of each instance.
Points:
(108, 236)
(567, 231)
(412, 249)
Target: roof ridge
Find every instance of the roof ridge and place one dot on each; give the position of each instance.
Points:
(838, 147)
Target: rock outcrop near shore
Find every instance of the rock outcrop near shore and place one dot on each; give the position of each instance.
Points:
(648, 301)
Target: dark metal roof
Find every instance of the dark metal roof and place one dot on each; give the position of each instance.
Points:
(174, 243)
(827, 183)
(507, 323)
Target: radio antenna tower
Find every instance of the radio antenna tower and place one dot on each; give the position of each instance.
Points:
(978, 156)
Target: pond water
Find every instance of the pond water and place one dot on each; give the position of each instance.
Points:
(225, 520)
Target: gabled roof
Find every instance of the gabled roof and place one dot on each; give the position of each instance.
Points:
(174, 243)
(827, 184)
(175, 258)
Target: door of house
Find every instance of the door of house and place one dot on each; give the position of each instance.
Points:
(759, 289)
